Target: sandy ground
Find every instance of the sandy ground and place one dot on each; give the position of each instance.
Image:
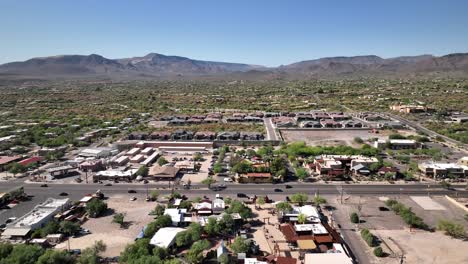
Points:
(416, 245)
(269, 234)
(425, 247)
(328, 137)
(113, 236)
(335, 137)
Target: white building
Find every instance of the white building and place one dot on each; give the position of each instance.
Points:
(311, 213)
(165, 236)
(37, 218)
(177, 215)
(329, 258)
(397, 143)
(436, 170)
(115, 174)
(96, 153)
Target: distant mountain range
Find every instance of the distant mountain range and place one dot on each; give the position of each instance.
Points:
(157, 66)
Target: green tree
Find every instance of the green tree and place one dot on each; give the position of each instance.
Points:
(301, 218)
(224, 259)
(283, 207)
(242, 167)
(23, 254)
(198, 157)
(217, 168)
(240, 208)
(154, 195)
(354, 218)
(136, 250)
(210, 227)
(451, 228)
(91, 255)
(160, 252)
(51, 227)
(301, 173)
(142, 171)
(299, 198)
(358, 140)
(69, 228)
(260, 201)
(96, 207)
(119, 218)
(158, 210)
(5, 250)
(240, 245)
(16, 168)
(318, 200)
(208, 181)
(195, 253)
(162, 161)
(153, 227)
(55, 257)
(378, 252)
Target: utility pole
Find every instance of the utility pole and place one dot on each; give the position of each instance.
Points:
(402, 258)
(341, 195)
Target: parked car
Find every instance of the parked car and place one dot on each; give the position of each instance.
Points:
(133, 199)
(44, 185)
(227, 179)
(278, 190)
(108, 184)
(241, 195)
(9, 220)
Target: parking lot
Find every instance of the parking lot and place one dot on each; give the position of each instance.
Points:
(417, 246)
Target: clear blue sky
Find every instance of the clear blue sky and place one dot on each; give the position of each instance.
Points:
(268, 32)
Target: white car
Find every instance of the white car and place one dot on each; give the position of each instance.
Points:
(133, 199)
(227, 179)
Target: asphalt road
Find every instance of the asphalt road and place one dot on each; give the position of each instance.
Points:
(270, 128)
(425, 130)
(259, 189)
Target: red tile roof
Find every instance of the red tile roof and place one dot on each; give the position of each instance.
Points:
(286, 260)
(30, 160)
(258, 175)
(7, 159)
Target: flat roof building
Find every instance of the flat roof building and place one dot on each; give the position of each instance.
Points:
(37, 218)
(165, 237)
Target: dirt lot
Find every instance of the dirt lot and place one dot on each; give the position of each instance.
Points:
(328, 137)
(113, 236)
(418, 246)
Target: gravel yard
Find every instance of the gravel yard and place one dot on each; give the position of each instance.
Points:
(114, 237)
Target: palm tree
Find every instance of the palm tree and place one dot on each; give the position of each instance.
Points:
(301, 218)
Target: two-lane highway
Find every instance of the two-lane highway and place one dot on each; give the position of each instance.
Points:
(259, 189)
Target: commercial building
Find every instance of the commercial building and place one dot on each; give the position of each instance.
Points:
(336, 166)
(442, 170)
(6, 160)
(163, 172)
(397, 144)
(411, 108)
(37, 218)
(116, 174)
(329, 258)
(96, 153)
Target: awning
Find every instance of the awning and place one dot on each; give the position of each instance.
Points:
(306, 244)
(16, 232)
